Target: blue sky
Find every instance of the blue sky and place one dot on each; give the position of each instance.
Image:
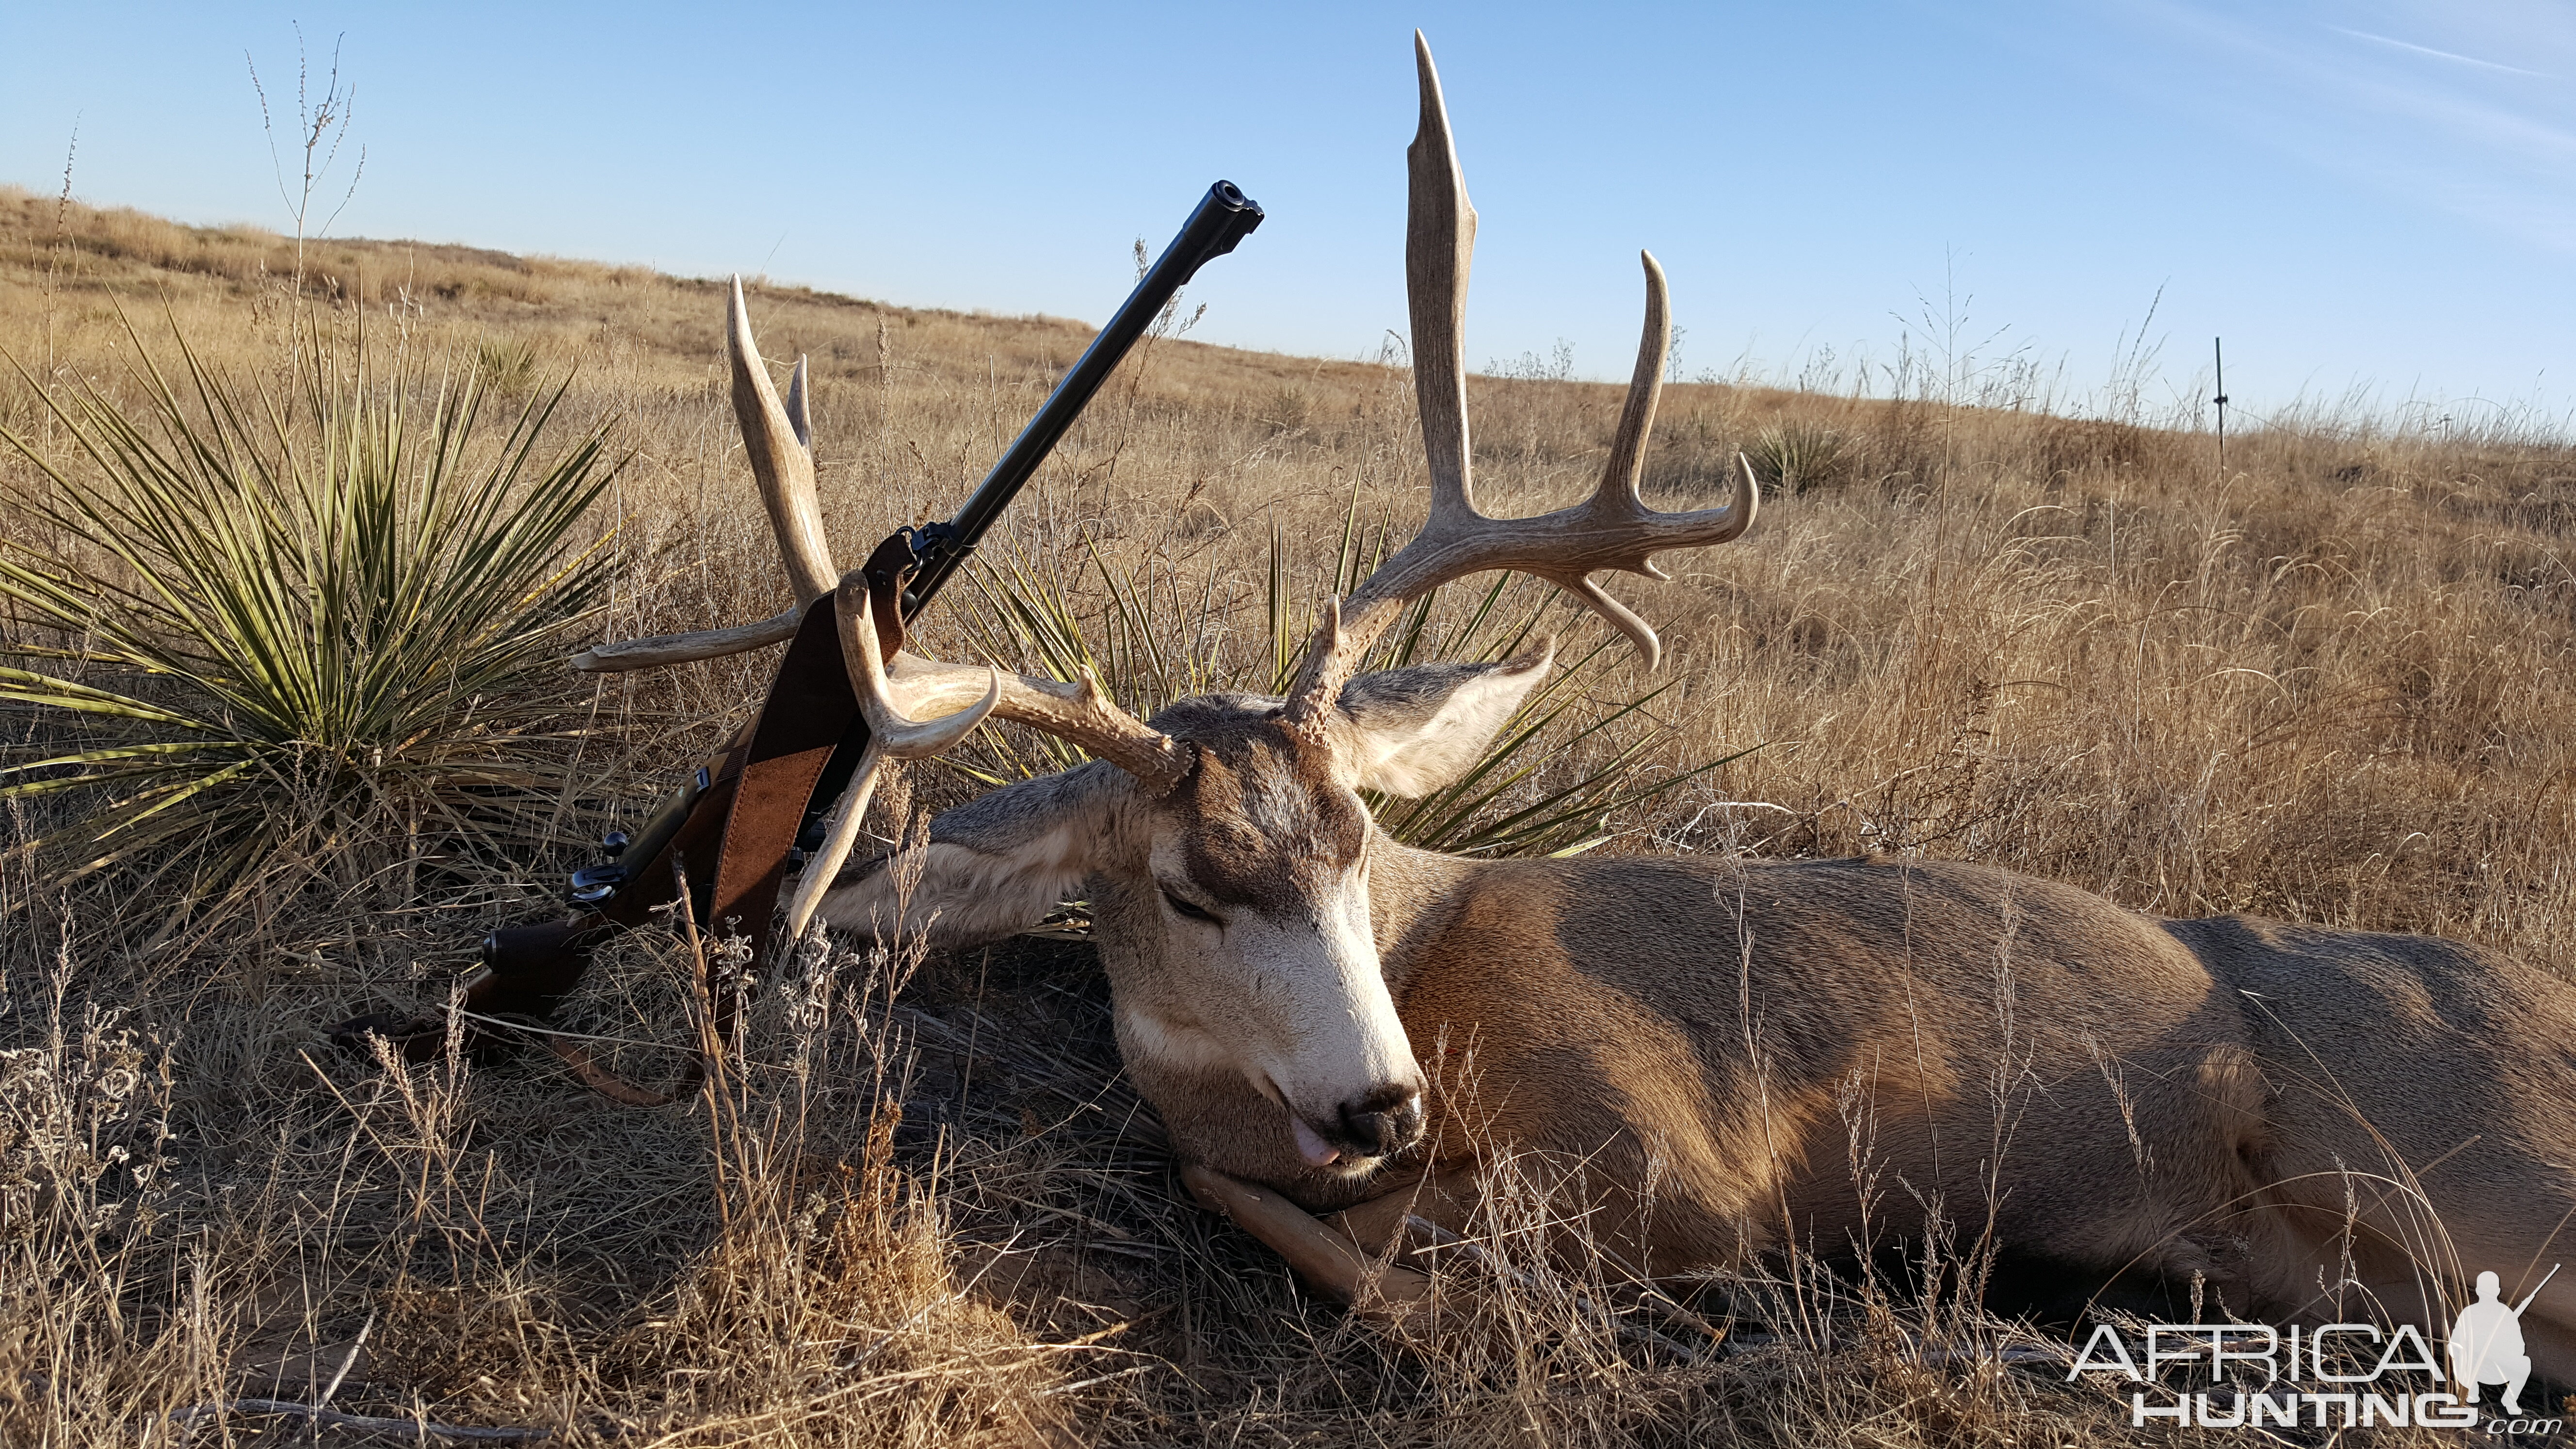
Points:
(2379, 195)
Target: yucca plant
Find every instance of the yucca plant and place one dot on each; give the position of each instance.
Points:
(1157, 643)
(506, 368)
(1800, 457)
(273, 629)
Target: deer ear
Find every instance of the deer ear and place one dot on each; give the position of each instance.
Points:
(1421, 727)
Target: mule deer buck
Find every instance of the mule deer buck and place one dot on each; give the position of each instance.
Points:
(1358, 1026)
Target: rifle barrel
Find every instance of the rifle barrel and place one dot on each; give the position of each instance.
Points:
(2535, 1290)
(1224, 217)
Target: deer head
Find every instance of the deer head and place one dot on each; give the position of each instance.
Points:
(1224, 846)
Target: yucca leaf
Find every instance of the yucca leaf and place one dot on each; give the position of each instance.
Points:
(45, 690)
(298, 614)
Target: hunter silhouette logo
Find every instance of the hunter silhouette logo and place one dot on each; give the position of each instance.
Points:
(2486, 1343)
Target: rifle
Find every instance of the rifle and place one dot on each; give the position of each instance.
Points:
(721, 844)
(2535, 1292)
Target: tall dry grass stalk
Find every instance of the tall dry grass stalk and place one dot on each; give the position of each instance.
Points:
(2334, 684)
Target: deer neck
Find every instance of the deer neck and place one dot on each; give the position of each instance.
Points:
(1413, 895)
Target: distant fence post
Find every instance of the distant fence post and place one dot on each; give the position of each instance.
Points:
(2218, 351)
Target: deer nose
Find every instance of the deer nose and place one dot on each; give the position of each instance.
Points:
(1386, 1121)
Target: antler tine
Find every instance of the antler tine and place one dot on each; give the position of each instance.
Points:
(664, 649)
(1626, 466)
(796, 415)
(892, 734)
(779, 439)
(779, 442)
(891, 727)
(1611, 530)
(1619, 501)
(1081, 713)
(1439, 245)
(1439, 250)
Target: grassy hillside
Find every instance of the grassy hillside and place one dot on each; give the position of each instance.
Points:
(2335, 684)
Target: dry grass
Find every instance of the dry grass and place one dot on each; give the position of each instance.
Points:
(2336, 685)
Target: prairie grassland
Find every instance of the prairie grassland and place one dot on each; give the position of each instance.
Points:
(2337, 684)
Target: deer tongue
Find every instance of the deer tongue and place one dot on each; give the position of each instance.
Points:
(1311, 1145)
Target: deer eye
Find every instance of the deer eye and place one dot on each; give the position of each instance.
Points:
(1186, 908)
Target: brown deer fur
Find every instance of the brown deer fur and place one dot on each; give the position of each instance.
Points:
(2233, 1099)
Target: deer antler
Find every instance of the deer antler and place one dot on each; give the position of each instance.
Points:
(780, 442)
(1612, 530)
(891, 733)
(1079, 713)
(954, 698)
(914, 707)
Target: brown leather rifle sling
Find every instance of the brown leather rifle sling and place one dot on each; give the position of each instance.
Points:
(744, 821)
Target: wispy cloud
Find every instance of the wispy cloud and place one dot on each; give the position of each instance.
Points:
(2421, 124)
(2454, 57)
